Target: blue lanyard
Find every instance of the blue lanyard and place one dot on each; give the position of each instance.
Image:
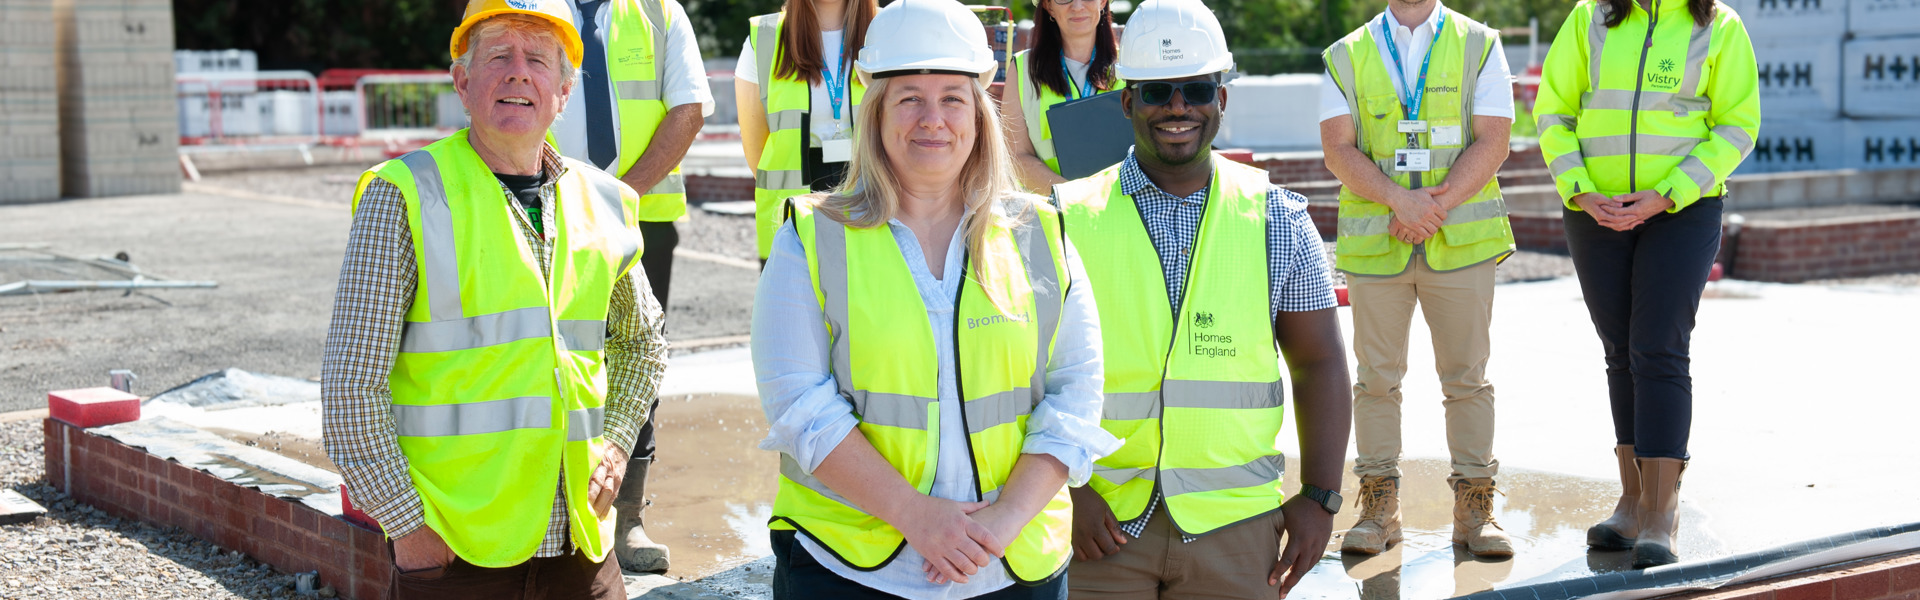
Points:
(1086, 87)
(1412, 107)
(836, 90)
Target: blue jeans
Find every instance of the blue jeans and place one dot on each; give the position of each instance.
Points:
(797, 575)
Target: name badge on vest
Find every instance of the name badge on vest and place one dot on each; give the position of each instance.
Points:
(836, 151)
(1446, 135)
(1409, 160)
(1412, 126)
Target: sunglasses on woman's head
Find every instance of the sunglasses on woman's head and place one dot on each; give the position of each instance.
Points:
(1158, 93)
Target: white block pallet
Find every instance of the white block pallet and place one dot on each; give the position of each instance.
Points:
(29, 104)
(119, 117)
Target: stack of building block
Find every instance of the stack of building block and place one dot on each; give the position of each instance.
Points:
(119, 115)
(29, 105)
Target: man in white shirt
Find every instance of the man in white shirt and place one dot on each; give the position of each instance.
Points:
(591, 130)
(1416, 110)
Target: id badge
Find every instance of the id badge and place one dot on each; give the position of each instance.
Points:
(1412, 126)
(1407, 160)
(1446, 135)
(836, 151)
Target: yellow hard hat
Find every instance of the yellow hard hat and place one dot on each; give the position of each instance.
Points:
(554, 11)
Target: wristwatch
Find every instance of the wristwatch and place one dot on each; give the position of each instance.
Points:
(1327, 499)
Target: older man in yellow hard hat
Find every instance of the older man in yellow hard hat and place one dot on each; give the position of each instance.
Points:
(493, 347)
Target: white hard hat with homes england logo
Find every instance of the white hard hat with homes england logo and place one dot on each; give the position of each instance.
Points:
(1170, 39)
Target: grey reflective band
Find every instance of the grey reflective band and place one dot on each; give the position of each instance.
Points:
(1596, 41)
(766, 31)
(1342, 67)
(608, 196)
(1364, 226)
(1379, 225)
(1128, 406)
(633, 89)
(583, 335)
(892, 410)
(786, 119)
(1566, 163)
(1230, 395)
(478, 331)
(779, 180)
(790, 469)
(1262, 470)
(1470, 80)
(656, 13)
(1650, 145)
(1698, 172)
(1567, 121)
(998, 409)
(1736, 136)
(586, 423)
(441, 259)
(1697, 46)
(1043, 276)
(1649, 101)
(830, 260)
(1119, 476)
(1472, 212)
(674, 183)
(472, 418)
(1438, 158)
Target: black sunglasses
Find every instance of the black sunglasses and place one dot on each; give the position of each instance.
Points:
(1158, 93)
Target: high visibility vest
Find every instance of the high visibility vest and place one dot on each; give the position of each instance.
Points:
(1197, 400)
(636, 72)
(1035, 99)
(885, 364)
(1669, 105)
(1474, 232)
(788, 103)
(499, 388)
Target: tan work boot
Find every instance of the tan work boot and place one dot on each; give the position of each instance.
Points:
(1473, 523)
(1619, 530)
(636, 551)
(1379, 525)
(1659, 511)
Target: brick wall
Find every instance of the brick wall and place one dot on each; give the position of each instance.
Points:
(1794, 251)
(1895, 577)
(131, 484)
(717, 188)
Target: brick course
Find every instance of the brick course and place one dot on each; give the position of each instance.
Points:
(1893, 577)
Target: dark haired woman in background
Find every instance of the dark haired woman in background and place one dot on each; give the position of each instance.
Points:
(1644, 110)
(1072, 58)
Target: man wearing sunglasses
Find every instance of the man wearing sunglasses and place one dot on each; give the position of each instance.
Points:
(1205, 275)
(1415, 114)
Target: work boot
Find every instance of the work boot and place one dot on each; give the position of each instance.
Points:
(1659, 511)
(1379, 525)
(636, 551)
(1473, 524)
(1619, 530)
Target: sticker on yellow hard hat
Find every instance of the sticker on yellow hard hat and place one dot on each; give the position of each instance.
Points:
(556, 12)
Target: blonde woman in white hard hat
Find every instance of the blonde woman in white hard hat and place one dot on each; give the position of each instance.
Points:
(926, 346)
(1072, 58)
(1208, 275)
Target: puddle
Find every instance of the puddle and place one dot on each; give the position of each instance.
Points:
(1547, 515)
(245, 473)
(713, 488)
(300, 448)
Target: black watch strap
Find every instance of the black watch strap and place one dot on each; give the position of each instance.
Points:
(1327, 499)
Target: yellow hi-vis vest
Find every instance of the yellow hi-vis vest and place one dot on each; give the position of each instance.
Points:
(885, 365)
(500, 385)
(1474, 232)
(1197, 400)
(1658, 103)
(1035, 99)
(636, 72)
(788, 103)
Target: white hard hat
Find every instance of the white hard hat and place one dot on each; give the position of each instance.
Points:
(926, 36)
(1170, 39)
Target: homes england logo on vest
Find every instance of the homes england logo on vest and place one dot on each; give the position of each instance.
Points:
(1203, 320)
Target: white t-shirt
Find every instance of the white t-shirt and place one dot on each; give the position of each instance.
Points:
(685, 80)
(821, 124)
(1492, 96)
(1076, 77)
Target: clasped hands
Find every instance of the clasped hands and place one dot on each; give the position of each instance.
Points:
(1623, 212)
(957, 539)
(1417, 214)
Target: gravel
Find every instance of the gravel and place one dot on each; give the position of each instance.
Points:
(78, 552)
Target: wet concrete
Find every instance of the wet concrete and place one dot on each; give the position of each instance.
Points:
(304, 449)
(712, 489)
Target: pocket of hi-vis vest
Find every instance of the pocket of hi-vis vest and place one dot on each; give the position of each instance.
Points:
(1362, 245)
(1382, 125)
(1686, 106)
(1465, 234)
(1142, 447)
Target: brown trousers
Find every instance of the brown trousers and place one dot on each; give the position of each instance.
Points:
(1230, 563)
(565, 577)
(1458, 306)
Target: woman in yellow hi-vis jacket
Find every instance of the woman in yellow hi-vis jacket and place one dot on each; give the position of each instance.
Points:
(1645, 108)
(926, 347)
(796, 94)
(1072, 58)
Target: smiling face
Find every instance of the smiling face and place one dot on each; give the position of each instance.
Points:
(512, 84)
(928, 126)
(1175, 133)
(1077, 19)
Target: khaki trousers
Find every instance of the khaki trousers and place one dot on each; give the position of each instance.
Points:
(1230, 563)
(1458, 306)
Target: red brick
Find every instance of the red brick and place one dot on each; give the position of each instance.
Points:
(336, 531)
(366, 541)
(1870, 584)
(167, 493)
(1814, 590)
(370, 590)
(277, 509)
(93, 407)
(369, 566)
(304, 518)
(1905, 577)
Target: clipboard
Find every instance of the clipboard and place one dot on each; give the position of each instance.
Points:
(1089, 134)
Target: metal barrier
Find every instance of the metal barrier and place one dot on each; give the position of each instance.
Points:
(257, 109)
(400, 108)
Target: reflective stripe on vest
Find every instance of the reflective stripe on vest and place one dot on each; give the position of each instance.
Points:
(786, 101)
(884, 363)
(497, 394)
(1208, 382)
(640, 31)
(1035, 99)
(1474, 232)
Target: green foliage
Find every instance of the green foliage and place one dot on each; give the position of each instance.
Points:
(722, 24)
(319, 34)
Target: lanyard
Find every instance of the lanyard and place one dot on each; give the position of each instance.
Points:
(1410, 100)
(836, 90)
(1085, 88)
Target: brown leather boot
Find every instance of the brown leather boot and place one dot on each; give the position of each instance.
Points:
(1473, 524)
(1659, 511)
(1379, 525)
(636, 551)
(1619, 530)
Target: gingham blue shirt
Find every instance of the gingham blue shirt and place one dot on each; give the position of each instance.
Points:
(1298, 278)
